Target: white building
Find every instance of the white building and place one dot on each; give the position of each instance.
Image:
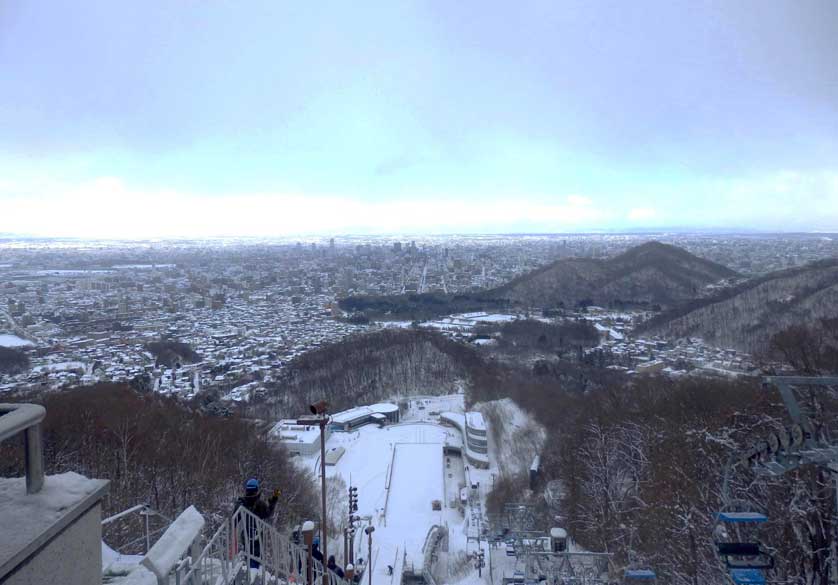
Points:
(297, 438)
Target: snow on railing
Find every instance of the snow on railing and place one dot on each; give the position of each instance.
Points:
(180, 537)
(26, 419)
(245, 543)
(218, 563)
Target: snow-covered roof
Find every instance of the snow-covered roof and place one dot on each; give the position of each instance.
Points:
(384, 407)
(475, 421)
(360, 412)
(288, 431)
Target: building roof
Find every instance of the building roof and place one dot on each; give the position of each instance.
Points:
(361, 412)
(474, 420)
(288, 431)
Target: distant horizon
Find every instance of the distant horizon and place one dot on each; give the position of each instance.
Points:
(194, 120)
(407, 235)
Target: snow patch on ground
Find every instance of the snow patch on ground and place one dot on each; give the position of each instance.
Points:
(115, 563)
(7, 340)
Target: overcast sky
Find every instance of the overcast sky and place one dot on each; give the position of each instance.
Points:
(196, 118)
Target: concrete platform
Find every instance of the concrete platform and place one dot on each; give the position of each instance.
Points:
(56, 531)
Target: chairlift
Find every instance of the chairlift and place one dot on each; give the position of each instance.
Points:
(639, 576)
(737, 545)
(747, 576)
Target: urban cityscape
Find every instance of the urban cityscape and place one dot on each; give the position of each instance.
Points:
(419, 293)
(85, 313)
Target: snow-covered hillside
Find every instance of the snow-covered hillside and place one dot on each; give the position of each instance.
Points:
(515, 438)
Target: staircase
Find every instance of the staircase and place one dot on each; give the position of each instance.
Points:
(245, 550)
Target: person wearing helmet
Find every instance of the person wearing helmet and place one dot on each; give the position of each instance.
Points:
(253, 503)
(315, 549)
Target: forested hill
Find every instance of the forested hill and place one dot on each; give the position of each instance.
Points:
(650, 274)
(370, 367)
(646, 275)
(748, 315)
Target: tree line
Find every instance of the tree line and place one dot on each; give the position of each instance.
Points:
(640, 466)
(13, 361)
(156, 451)
(369, 367)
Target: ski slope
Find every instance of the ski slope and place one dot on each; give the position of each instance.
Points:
(417, 482)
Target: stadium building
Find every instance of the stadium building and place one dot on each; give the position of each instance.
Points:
(382, 413)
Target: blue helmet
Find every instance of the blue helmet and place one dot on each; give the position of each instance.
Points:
(316, 541)
(251, 487)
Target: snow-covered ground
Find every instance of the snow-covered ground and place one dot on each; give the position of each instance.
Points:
(8, 340)
(400, 471)
(116, 564)
(417, 483)
(515, 438)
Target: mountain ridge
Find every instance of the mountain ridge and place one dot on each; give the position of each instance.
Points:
(647, 275)
(747, 315)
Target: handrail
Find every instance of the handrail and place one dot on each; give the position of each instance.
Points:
(26, 418)
(124, 513)
(146, 511)
(245, 542)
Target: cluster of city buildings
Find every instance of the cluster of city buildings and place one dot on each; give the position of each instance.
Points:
(620, 350)
(86, 312)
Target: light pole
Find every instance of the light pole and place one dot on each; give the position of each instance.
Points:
(319, 409)
(369, 530)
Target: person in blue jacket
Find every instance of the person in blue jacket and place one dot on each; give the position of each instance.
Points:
(253, 503)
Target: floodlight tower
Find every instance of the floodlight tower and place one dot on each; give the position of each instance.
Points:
(319, 410)
(369, 530)
(350, 530)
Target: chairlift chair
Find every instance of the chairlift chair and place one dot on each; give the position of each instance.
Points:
(738, 547)
(639, 576)
(747, 576)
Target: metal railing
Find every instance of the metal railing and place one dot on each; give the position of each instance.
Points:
(247, 544)
(26, 419)
(146, 512)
